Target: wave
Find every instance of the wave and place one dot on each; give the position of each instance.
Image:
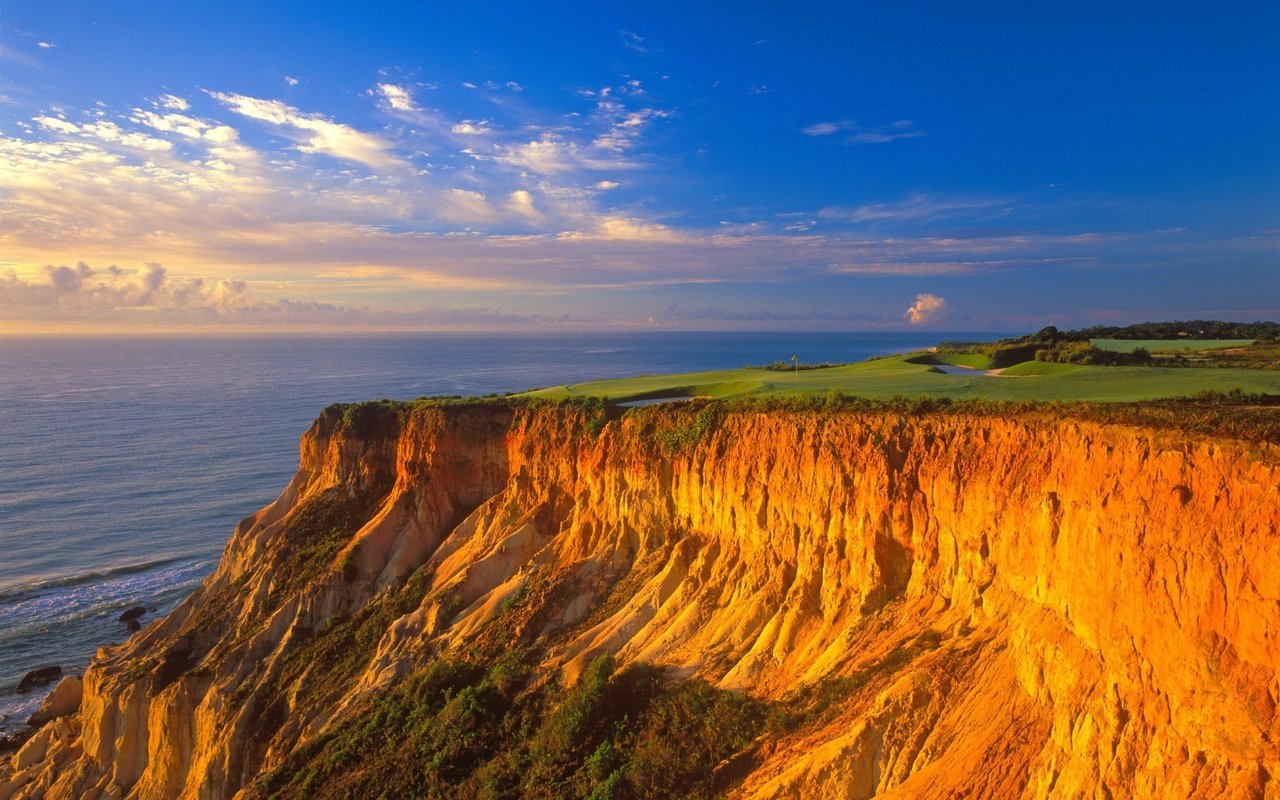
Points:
(80, 390)
(34, 589)
(58, 610)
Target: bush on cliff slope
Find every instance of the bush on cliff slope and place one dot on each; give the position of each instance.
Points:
(460, 728)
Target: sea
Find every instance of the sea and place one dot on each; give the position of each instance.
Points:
(126, 462)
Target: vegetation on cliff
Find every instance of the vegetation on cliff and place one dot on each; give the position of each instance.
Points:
(675, 427)
(1196, 329)
(1133, 346)
(494, 728)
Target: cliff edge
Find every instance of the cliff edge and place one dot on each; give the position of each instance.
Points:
(491, 599)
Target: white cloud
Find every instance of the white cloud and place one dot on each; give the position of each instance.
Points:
(629, 229)
(551, 154)
(57, 124)
(626, 126)
(106, 131)
(522, 204)
(184, 125)
(605, 186)
(469, 127)
(318, 133)
(926, 309)
(557, 153)
(172, 102)
(398, 98)
(46, 45)
(221, 139)
(467, 206)
(221, 134)
(151, 286)
(81, 297)
(289, 79)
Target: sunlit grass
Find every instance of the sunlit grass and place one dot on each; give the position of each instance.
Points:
(888, 377)
(1152, 345)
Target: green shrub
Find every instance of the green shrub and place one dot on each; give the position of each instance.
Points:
(458, 729)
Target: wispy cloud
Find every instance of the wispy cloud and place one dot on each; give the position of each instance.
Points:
(920, 207)
(46, 45)
(315, 133)
(9, 54)
(824, 128)
(625, 125)
(857, 134)
(635, 42)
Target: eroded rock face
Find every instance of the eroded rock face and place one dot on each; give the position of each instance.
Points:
(1022, 606)
(63, 700)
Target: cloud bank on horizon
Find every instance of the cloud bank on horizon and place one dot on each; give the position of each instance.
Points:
(641, 184)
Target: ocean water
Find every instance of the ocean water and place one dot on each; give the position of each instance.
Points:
(125, 462)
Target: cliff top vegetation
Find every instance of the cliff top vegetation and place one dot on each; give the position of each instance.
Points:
(1233, 414)
(1049, 365)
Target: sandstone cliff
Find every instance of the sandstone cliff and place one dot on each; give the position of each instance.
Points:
(925, 605)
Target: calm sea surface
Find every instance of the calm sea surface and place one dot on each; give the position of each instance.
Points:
(125, 463)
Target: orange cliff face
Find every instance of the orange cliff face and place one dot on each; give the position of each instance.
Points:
(1020, 605)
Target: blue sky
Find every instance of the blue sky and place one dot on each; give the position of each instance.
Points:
(559, 166)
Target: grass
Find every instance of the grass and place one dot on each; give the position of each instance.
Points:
(1030, 368)
(974, 360)
(901, 375)
(1153, 345)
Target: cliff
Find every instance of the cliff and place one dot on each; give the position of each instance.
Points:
(802, 603)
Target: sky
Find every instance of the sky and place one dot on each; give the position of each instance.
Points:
(216, 166)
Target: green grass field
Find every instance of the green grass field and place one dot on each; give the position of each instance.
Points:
(898, 375)
(974, 360)
(1180, 345)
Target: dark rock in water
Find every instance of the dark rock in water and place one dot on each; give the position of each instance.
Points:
(12, 742)
(39, 677)
(132, 614)
(134, 625)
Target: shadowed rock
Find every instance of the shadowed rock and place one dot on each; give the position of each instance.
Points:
(132, 614)
(39, 677)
